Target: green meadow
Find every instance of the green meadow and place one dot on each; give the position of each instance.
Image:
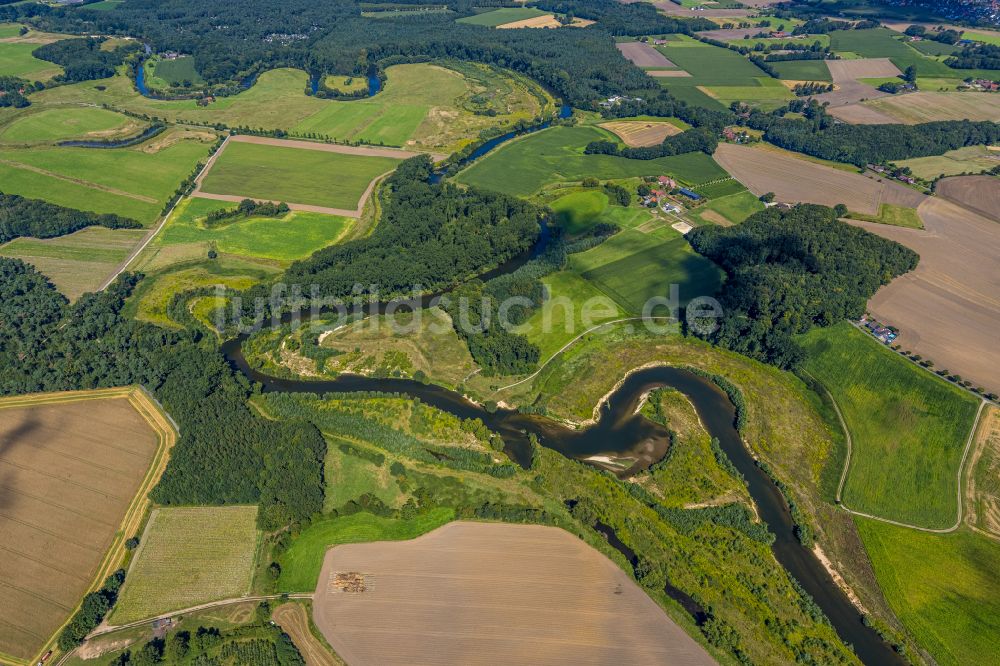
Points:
(101, 180)
(632, 267)
(943, 587)
(61, 124)
(881, 43)
(578, 211)
(16, 60)
(294, 236)
(79, 262)
(908, 427)
(733, 207)
(524, 165)
(294, 175)
(175, 72)
(501, 16)
(712, 65)
(803, 70)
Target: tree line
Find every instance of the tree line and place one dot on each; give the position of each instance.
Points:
(788, 271)
(40, 219)
(225, 454)
(84, 59)
(689, 141)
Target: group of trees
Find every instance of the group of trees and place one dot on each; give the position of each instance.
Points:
(93, 609)
(84, 59)
(331, 36)
(13, 92)
(429, 235)
(689, 141)
(791, 270)
(225, 453)
(811, 88)
(41, 219)
(976, 56)
(248, 208)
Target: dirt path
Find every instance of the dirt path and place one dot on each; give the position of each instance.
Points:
(987, 437)
(847, 464)
(294, 621)
(79, 181)
(343, 212)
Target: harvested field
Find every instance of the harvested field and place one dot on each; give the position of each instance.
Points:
(863, 68)
(294, 621)
(796, 180)
(965, 160)
(75, 468)
(545, 21)
(668, 73)
(729, 34)
(551, 599)
(978, 193)
(671, 9)
(982, 494)
(641, 133)
(924, 107)
(948, 309)
(643, 55)
(861, 114)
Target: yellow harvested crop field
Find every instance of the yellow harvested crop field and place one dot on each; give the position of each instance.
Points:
(75, 469)
(640, 132)
(491, 593)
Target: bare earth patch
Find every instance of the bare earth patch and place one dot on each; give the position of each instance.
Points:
(981, 494)
(948, 309)
(491, 593)
(545, 21)
(294, 621)
(668, 73)
(861, 114)
(864, 68)
(928, 106)
(643, 55)
(795, 180)
(641, 132)
(978, 193)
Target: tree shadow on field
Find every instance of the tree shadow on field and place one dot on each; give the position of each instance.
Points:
(10, 440)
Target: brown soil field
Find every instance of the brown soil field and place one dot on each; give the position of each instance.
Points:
(667, 73)
(983, 504)
(492, 593)
(75, 469)
(861, 114)
(978, 193)
(641, 133)
(795, 180)
(546, 21)
(643, 55)
(925, 107)
(294, 621)
(864, 68)
(948, 309)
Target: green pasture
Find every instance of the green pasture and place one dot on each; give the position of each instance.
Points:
(79, 262)
(632, 267)
(294, 236)
(897, 216)
(189, 556)
(125, 181)
(931, 48)
(9, 30)
(345, 83)
(880, 43)
(61, 124)
(722, 188)
(943, 587)
(277, 101)
(578, 211)
(176, 71)
(768, 93)
(348, 476)
(16, 60)
(685, 90)
(524, 165)
(501, 16)
(803, 70)
(573, 305)
(909, 427)
(712, 65)
(301, 563)
(982, 37)
(733, 207)
(294, 175)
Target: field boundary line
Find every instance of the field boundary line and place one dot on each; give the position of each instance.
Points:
(569, 344)
(134, 254)
(160, 423)
(79, 181)
(847, 463)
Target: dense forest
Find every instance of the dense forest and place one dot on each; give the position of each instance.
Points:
(976, 56)
(41, 219)
(13, 92)
(429, 236)
(331, 36)
(788, 271)
(225, 454)
(83, 59)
